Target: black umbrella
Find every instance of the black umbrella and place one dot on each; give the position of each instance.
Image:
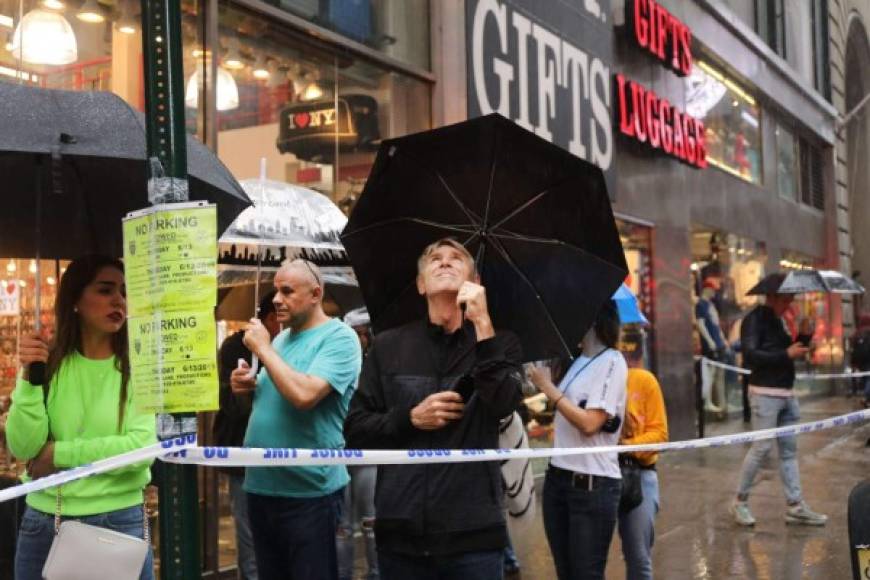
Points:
(537, 218)
(801, 281)
(85, 154)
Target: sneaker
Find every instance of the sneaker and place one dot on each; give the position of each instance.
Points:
(801, 514)
(741, 513)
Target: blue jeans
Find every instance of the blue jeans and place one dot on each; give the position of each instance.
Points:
(247, 561)
(359, 511)
(485, 565)
(294, 538)
(767, 413)
(579, 524)
(37, 534)
(636, 529)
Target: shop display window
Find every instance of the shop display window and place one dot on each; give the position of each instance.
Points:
(786, 163)
(391, 27)
(732, 121)
(315, 117)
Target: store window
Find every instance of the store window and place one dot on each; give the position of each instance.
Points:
(393, 27)
(812, 181)
(315, 116)
(770, 24)
(724, 268)
(786, 163)
(732, 119)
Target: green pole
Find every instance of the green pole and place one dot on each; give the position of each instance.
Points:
(164, 108)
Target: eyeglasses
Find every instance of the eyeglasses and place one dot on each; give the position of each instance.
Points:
(310, 270)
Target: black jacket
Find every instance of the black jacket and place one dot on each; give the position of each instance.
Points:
(764, 341)
(438, 508)
(231, 420)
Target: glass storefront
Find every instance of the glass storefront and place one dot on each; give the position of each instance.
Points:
(732, 121)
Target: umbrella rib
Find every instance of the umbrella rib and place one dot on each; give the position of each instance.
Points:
(451, 227)
(548, 241)
(491, 180)
(521, 208)
(504, 253)
(472, 217)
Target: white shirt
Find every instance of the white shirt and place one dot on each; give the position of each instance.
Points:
(602, 385)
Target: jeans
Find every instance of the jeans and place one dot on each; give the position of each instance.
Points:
(579, 525)
(294, 538)
(37, 534)
(359, 510)
(767, 413)
(247, 561)
(636, 529)
(510, 560)
(485, 565)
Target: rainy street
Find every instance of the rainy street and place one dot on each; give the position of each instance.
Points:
(696, 537)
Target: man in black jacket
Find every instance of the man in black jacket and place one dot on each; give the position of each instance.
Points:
(769, 352)
(440, 383)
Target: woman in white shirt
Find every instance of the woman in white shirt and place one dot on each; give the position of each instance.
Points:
(581, 492)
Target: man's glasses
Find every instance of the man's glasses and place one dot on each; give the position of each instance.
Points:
(310, 270)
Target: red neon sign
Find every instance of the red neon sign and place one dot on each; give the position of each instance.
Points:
(647, 118)
(660, 33)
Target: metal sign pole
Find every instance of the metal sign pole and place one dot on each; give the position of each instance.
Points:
(164, 107)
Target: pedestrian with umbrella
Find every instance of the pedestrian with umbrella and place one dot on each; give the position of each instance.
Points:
(769, 352)
(511, 243)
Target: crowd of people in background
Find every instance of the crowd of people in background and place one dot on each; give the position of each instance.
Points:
(450, 380)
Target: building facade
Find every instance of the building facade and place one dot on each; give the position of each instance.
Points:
(719, 149)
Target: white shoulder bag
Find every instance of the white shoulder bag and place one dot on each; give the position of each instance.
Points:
(84, 552)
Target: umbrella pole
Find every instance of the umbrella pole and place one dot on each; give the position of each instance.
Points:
(36, 372)
(255, 362)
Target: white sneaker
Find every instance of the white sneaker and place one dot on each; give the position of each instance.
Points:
(741, 513)
(801, 514)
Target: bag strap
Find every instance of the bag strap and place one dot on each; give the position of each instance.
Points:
(146, 529)
(568, 381)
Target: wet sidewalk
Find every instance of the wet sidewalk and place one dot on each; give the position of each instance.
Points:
(695, 535)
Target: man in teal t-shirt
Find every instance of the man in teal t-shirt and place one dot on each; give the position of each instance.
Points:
(301, 397)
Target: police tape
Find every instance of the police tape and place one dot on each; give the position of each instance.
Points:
(185, 451)
(116, 462)
(798, 376)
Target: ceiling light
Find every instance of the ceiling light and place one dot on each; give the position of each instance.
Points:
(233, 60)
(53, 4)
(32, 267)
(312, 92)
(11, 267)
(260, 70)
(91, 12)
(48, 39)
(227, 91)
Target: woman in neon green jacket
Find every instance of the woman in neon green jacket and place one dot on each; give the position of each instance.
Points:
(84, 414)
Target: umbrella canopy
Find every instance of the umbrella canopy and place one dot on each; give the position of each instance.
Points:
(626, 304)
(800, 281)
(537, 218)
(86, 153)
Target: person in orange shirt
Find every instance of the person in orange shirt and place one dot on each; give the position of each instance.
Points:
(645, 422)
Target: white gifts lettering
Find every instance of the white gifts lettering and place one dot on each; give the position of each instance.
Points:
(558, 63)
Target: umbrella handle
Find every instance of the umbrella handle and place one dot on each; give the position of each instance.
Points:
(255, 366)
(36, 373)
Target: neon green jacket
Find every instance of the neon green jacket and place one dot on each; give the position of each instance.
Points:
(83, 419)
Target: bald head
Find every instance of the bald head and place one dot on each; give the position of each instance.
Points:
(298, 294)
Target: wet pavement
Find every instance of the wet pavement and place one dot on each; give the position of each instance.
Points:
(695, 535)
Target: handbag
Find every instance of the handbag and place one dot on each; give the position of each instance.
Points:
(85, 552)
(632, 491)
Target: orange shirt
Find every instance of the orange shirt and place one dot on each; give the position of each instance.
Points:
(645, 417)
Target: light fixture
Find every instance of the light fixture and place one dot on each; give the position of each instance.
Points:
(22, 283)
(48, 39)
(233, 60)
(127, 23)
(6, 21)
(50, 280)
(11, 267)
(32, 267)
(53, 4)
(227, 91)
(260, 69)
(312, 92)
(91, 12)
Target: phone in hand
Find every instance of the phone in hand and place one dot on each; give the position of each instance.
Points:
(465, 387)
(804, 339)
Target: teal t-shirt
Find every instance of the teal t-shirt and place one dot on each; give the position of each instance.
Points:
(331, 352)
